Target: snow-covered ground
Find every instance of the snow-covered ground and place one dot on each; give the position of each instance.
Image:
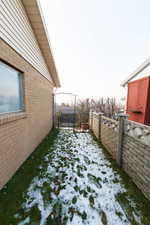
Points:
(76, 186)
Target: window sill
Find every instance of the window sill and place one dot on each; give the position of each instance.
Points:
(10, 117)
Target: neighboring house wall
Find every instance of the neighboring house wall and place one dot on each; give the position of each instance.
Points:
(16, 30)
(132, 140)
(20, 133)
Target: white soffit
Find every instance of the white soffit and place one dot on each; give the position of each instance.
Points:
(35, 15)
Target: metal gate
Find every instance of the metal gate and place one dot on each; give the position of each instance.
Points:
(66, 120)
(65, 114)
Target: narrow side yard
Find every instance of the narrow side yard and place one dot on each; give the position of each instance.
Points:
(71, 180)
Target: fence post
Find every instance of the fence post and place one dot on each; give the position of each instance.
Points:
(91, 120)
(100, 124)
(122, 118)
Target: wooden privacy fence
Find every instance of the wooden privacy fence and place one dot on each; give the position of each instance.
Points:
(129, 143)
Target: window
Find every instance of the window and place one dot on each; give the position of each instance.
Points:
(11, 89)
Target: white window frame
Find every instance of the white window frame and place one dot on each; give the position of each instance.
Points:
(21, 88)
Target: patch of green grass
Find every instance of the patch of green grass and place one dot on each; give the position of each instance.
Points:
(74, 200)
(104, 218)
(95, 180)
(51, 221)
(35, 214)
(72, 211)
(79, 173)
(85, 194)
(86, 159)
(84, 215)
(119, 214)
(89, 189)
(12, 195)
(76, 188)
(91, 200)
(75, 180)
(125, 202)
(103, 172)
(116, 180)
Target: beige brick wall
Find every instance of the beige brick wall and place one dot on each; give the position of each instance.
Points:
(95, 125)
(20, 134)
(136, 162)
(135, 149)
(109, 138)
(104, 129)
(90, 120)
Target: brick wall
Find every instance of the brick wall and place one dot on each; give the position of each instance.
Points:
(105, 129)
(109, 138)
(21, 133)
(131, 141)
(96, 125)
(136, 162)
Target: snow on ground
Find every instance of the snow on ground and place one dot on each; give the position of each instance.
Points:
(76, 186)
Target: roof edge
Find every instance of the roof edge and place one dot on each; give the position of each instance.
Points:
(136, 72)
(44, 42)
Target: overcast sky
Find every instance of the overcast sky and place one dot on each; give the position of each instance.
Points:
(97, 43)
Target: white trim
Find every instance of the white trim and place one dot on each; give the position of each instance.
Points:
(136, 72)
(35, 15)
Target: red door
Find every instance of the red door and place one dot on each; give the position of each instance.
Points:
(137, 99)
